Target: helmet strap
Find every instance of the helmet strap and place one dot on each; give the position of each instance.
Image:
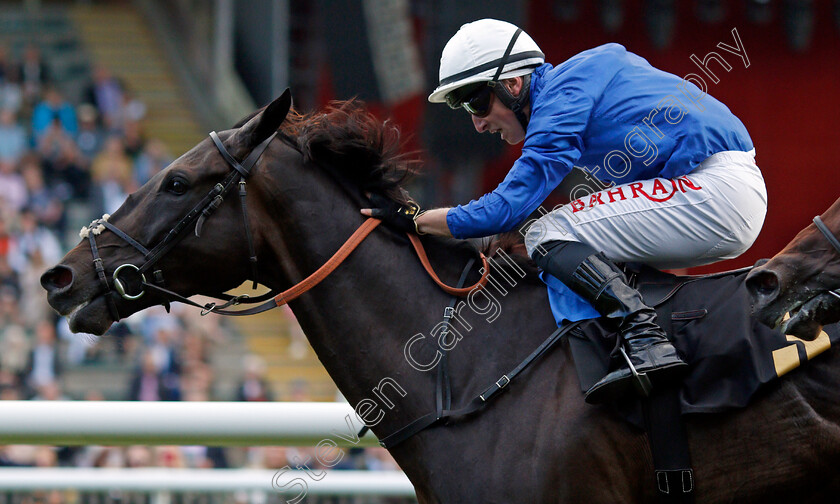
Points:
(516, 103)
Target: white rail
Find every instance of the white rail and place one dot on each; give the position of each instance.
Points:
(76, 423)
(382, 483)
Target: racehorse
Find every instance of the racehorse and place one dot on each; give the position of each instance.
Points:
(802, 280)
(539, 442)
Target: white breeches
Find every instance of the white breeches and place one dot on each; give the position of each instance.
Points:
(713, 213)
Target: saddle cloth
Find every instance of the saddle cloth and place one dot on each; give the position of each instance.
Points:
(731, 355)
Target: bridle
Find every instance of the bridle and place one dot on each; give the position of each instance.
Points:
(127, 277)
(198, 215)
(832, 240)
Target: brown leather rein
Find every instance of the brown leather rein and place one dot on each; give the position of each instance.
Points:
(355, 239)
(325, 270)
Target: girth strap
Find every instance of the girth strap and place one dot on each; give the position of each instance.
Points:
(443, 388)
(479, 401)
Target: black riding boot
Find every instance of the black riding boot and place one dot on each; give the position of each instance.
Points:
(648, 354)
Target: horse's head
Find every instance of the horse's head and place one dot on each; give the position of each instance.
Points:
(799, 280)
(179, 225)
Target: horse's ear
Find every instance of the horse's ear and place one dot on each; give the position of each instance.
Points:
(266, 122)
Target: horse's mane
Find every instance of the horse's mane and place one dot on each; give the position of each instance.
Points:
(346, 134)
(370, 154)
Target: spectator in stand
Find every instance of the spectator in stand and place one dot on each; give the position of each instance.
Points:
(193, 347)
(14, 355)
(138, 456)
(13, 137)
(33, 73)
(13, 194)
(11, 93)
(77, 347)
(6, 244)
(9, 308)
(43, 367)
(169, 456)
(5, 62)
(33, 303)
(45, 202)
(379, 459)
(91, 137)
(50, 391)
(253, 386)
(133, 109)
(147, 384)
(69, 172)
(8, 277)
(298, 344)
(111, 175)
(105, 92)
(33, 237)
(54, 109)
(9, 393)
(51, 141)
(133, 139)
(168, 360)
(154, 158)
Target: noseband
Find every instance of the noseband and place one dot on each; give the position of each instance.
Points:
(128, 274)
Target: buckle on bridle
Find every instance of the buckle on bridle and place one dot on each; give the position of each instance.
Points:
(120, 287)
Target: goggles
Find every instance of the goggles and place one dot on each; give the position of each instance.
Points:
(476, 100)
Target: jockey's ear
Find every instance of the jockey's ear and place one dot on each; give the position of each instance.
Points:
(514, 85)
(262, 125)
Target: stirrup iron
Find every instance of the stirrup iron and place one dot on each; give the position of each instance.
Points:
(641, 381)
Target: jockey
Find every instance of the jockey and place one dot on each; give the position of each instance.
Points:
(677, 181)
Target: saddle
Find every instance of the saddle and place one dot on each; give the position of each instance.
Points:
(731, 355)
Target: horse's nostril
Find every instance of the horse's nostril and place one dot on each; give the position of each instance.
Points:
(764, 283)
(60, 277)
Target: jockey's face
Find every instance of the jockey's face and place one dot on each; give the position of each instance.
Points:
(501, 119)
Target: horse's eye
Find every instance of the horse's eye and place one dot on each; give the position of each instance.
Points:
(177, 186)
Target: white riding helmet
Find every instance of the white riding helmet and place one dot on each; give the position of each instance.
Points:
(475, 52)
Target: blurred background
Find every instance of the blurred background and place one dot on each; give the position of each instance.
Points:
(97, 96)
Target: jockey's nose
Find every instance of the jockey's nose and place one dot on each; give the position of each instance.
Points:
(58, 279)
(480, 123)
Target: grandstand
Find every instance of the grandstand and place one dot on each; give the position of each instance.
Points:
(116, 112)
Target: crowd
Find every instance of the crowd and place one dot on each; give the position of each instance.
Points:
(87, 155)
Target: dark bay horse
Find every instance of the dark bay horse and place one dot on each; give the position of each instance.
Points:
(539, 442)
(801, 280)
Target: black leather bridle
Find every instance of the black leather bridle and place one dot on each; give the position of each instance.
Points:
(128, 278)
(832, 240)
(827, 233)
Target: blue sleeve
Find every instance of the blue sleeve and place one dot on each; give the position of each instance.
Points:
(552, 146)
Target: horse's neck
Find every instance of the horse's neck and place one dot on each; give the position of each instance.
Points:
(359, 319)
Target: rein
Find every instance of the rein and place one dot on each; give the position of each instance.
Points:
(832, 240)
(130, 275)
(324, 271)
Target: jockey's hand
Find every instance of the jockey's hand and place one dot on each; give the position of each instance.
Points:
(397, 216)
